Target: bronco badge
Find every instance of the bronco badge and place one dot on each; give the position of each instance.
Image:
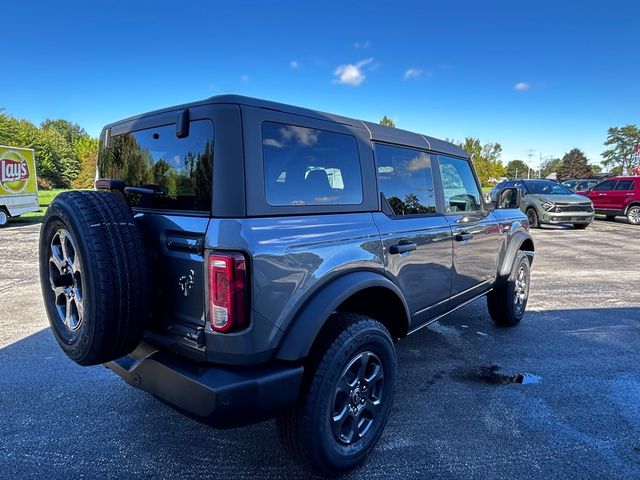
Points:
(186, 283)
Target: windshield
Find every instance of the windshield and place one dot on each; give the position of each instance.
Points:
(547, 188)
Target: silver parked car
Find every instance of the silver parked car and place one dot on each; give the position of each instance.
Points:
(548, 202)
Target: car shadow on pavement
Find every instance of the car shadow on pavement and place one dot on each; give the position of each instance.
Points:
(449, 420)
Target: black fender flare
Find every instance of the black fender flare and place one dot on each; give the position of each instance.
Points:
(306, 325)
(510, 256)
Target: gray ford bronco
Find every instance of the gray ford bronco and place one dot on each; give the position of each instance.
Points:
(242, 260)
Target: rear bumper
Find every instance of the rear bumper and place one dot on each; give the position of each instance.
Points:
(223, 397)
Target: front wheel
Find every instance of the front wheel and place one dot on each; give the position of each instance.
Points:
(508, 302)
(633, 215)
(532, 216)
(346, 399)
(4, 218)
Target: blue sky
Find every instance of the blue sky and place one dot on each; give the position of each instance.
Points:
(547, 76)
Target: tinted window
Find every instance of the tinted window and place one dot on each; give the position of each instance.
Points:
(406, 180)
(461, 193)
(625, 185)
(306, 166)
(606, 185)
(176, 172)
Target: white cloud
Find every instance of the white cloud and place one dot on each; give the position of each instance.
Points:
(351, 74)
(244, 78)
(410, 73)
(362, 45)
(294, 64)
(522, 86)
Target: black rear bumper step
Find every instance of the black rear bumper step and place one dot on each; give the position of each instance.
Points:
(223, 397)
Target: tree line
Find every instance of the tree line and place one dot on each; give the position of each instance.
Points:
(620, 154)
(65, 153)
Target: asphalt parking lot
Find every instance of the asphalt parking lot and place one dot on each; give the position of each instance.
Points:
(457, 414)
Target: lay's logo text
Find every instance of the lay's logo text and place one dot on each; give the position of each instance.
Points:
(11, 171)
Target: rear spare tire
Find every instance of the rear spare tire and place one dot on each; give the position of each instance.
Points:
(93, 276)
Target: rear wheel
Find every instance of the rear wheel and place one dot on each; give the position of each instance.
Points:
(532, 216)
(346, 398)
(93, 276)
(633, 215)
(508, 302)
(4, 218)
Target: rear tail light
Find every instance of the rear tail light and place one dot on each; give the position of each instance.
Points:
(227, 292)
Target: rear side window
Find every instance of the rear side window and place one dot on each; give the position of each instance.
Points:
(405, 178)
(172, 173)
(606, 185)
(461, 193)
(625, 185)
(307, 166)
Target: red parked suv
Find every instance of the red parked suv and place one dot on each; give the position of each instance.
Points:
(617, 196)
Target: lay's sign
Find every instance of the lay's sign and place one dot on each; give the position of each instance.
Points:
(17, 171)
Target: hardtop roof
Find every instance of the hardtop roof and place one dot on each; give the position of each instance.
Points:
(377, 132)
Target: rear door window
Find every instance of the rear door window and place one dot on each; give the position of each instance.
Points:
(405, 178)
(171, 173)
(308, 166)
(461, 192)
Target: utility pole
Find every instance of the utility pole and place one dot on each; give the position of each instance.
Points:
(530, 155)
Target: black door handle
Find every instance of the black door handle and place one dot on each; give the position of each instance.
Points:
(463, 236)
(402, 248)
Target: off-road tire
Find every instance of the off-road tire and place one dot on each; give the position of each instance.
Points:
(111, 289)
(532, 216)
(501, 301)
(306, 430)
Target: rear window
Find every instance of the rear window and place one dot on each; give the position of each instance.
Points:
(307, 166)
(171, 173)
(625, 185)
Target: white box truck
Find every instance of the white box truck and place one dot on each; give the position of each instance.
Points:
(18, 183)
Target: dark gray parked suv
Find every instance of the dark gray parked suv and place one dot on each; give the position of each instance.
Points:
(243, 259)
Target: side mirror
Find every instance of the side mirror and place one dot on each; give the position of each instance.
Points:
(508, 198)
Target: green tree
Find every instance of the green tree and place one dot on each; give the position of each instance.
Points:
(86, 151)
(549, 167)
(574, 165)
(56, 158)
(72, 132)
(622, 142)
(17, 132)
(485, 158)
(387, 122)
(516, 169)
(595, 167)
